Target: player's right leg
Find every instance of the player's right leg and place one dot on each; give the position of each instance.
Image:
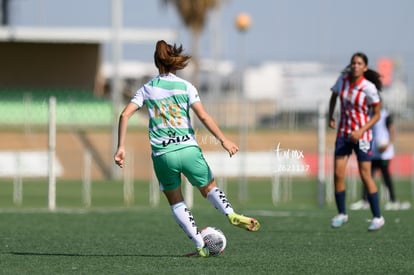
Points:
(340, 193)
(185, 219)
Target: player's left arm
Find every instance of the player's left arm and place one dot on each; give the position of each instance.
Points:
(128, 111)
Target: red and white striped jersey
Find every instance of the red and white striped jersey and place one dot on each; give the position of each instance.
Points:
(356, 100)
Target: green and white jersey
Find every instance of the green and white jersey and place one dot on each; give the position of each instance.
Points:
(168, 99)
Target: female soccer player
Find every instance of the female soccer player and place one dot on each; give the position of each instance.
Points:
(175, 151)
(357, 88)
(383, 152)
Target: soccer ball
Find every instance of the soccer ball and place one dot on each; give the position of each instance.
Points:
(214, 239)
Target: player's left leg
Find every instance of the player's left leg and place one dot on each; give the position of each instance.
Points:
(363, 151)
(168, 168)
(185, 219)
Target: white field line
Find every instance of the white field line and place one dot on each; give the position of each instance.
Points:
(102, 210)
(109, 210)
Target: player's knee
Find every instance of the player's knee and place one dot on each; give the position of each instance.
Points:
(207, 188)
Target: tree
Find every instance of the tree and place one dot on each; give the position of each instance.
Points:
(193, 13)
(5, 11)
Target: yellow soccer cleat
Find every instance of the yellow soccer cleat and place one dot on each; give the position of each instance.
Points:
(202, 252)
(241, 221)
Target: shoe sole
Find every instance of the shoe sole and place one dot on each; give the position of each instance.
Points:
(338, 226)
(376, 228)
(196, 254)
(247, 223)
(192, 254)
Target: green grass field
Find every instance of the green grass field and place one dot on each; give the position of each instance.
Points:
(110, 238)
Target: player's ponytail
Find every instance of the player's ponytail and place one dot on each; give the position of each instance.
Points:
(169, 58)
(374, 77)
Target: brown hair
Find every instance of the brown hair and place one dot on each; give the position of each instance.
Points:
(169, 58)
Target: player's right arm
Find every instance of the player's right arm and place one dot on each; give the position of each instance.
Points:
(335, 89)
(332, 104)
(128, 111)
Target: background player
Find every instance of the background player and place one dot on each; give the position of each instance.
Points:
(383, 152)
(357, 87)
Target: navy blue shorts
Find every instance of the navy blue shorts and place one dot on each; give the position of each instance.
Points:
(344, 147)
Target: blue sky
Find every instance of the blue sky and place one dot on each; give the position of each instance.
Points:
(321, 30)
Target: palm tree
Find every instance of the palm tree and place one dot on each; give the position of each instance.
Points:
(5, 12)
(193, 14)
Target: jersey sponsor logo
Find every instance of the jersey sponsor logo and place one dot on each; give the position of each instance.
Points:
(175, 140)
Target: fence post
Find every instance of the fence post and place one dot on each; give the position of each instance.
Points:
(129, 180)
(412, 178)
(52, 154)
(321, 154)
(189, 194)
(154, 191)
(86, 183)
(222, 183)
(329, 186)
(275, 188)
(353, 177)
(17, 183)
